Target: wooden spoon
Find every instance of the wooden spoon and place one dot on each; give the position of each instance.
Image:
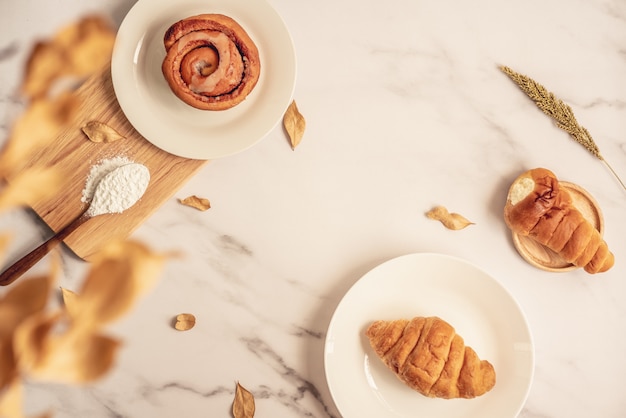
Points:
(100, 194)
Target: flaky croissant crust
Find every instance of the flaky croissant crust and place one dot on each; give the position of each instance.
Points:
(539, 208)
(429, 356)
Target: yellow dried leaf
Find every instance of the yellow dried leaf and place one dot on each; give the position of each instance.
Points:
(78, 50)
(30, 340)
(100, 132)
(78, 358)
(199, 203)
(22, 300)
(243, 405)
(452, 221)
(70, 300)
(45, 64)
(120, 273)
(41, 122)
(11, 400)
(294, 124)
(70, 357)
(88, 44)
(185, 321)
(29, 186)
(8, 369)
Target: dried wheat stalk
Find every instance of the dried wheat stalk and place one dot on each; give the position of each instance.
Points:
(560, 112)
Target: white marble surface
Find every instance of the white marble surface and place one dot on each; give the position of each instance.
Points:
(406, 108)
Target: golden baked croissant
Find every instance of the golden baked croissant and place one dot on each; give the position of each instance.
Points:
(429, 356)
(538, 208)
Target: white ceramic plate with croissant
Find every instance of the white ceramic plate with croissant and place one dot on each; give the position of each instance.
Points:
(425, 284)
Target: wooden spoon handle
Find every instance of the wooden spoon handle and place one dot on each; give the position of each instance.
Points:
(29, 260)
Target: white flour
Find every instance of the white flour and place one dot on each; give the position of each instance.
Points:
(115, 185)
(97, 172)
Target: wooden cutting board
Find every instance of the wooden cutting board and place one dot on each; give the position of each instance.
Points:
(75, 155)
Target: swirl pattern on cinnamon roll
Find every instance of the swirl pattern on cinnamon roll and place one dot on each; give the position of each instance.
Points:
(211, 63)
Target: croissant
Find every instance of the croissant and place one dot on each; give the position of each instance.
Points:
(429, 356)
(539, 208)
(211, 63)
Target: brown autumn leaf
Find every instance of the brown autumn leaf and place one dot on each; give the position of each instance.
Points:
(76, 357)
(452, 221)
(45, 64)
(88, 42)
(184, 321)
(11, 400)
(30, 338)
(70, 301)
(77, 50)
(22, 300)
(196, 202)
(71, 357)
(39, 124)
(29, 186)
(120, 273)
(100, 132)
(243, 405)
(8, 369)
(294, 124)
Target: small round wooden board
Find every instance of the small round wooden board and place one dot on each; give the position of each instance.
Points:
(543, 257)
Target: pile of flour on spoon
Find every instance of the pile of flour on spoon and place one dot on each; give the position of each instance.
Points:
(117, 193)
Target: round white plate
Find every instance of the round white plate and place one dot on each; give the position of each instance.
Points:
(477, 306)
(166, 121)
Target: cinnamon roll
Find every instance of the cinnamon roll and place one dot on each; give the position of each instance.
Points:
(211, 63)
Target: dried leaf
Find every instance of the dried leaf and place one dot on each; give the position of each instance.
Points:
(8, 368)
(39, 124)
(70, 300)
(70, 357)
(243, 405)
(11, 401)
(21, 301)
(78, 358)
(294, 124)
(77, 50)
(196, 202)
(452, 221)
(120, 273)
(88, 43)
(100, 132)
(30, 186)
(45, 64)
(25, 323)
(30, 338)
(185, 321)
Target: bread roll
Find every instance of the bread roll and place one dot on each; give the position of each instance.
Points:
(211, 63)
(429, 356)
(537, 207)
